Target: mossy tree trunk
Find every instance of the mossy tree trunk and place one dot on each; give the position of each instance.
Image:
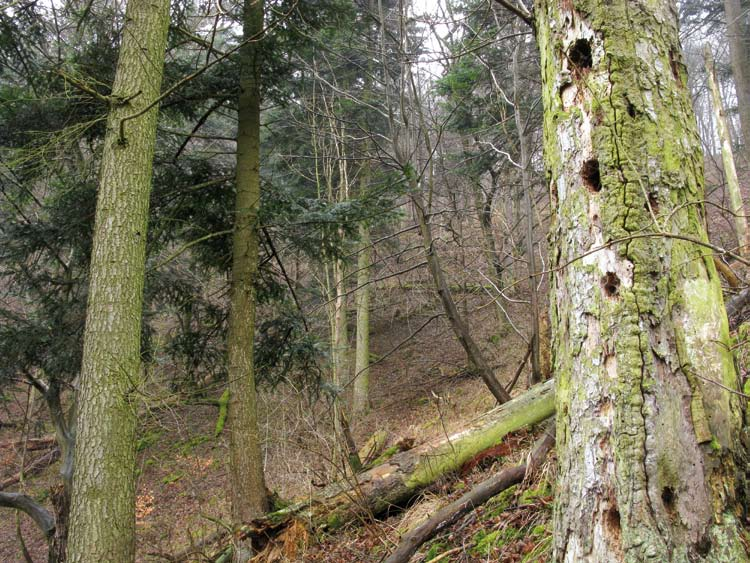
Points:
(102, 511)
(248, 493)
(647, 422)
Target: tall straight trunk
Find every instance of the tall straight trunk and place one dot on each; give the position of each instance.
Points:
(727, 157)
(536, 371)
(647, 421)
(249, 499)
(738, 34)
(361, 387)
(102, 512)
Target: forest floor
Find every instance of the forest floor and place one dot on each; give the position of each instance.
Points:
(420, 391)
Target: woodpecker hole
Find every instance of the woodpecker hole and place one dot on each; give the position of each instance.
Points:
(580, 54)
(704, 546)
(610, 284)
(630, 108)
(668, 498)
(653, 203)
(674, 63)
(612, 519)
(591, 176)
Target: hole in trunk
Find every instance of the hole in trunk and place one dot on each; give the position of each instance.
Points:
(591, 176)
(667, 497)
(610, 284)
(612, 519)
(580, 54)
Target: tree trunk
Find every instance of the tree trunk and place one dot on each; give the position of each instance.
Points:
(474, 354)
(738, 34)
(102, 516)
(727, 157)
(361, 390)
(248, 489)
(647, 423)
(536, 371)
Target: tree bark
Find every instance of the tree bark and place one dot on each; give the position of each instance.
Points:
(102, 516)
(248, 491)
(738, 32)
(647, 423)
(474, 498)
(727, 157)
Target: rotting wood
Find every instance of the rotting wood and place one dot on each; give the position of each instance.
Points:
(476, 497)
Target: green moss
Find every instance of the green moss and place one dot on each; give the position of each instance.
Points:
(334, 521)
(187, 447)
(385, 456)
(500, 503)
(486, 542)
(435, 549)
(147, 440)
(223, 405)
(173, 477)
(544, 490)
(715, 445)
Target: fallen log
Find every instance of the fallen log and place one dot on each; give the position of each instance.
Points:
(476, 497)
(402, 476)
(31, 444)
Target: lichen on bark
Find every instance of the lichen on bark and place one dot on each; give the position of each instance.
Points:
(639, 330)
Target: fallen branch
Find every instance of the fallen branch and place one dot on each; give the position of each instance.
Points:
(34, 467)
(476, 497)
(32, 444)
(402, 476)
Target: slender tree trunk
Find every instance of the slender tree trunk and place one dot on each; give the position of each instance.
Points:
(738, 34)
(647, 422)
(102, 515)
(361, 391)
(248, 492)
(340, 345)
(473, 352)
(536, 371)
(727, 157)
(64, 424)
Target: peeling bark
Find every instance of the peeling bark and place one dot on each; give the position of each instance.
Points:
(647, 430)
